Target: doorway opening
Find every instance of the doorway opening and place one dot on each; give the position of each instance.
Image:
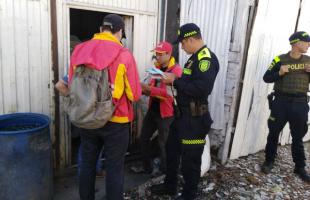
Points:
(83, 25)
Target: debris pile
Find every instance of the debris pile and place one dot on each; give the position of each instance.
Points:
(242, 179)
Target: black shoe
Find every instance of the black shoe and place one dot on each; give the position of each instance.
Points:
(180, 198)
(140, 169)
(303, 175)
(161, 189)
(267, 167)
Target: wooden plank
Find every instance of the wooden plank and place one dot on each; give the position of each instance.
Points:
(62, 31)
(8, 58)
(21, 54)
(245, 103)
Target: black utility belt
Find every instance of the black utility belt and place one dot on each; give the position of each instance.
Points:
(292, 98)
(198, 109)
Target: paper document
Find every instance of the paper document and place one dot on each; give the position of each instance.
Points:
(157, 73)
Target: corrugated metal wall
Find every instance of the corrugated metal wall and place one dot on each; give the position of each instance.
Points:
(304, 25)
(275, 22)
(128, 6)
(145, 29)
(25, 56)
(215, 18)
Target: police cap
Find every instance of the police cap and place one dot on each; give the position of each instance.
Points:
(187, 30)
(299, 36)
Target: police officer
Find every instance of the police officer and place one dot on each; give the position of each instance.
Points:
(289, 73)
(186, 139)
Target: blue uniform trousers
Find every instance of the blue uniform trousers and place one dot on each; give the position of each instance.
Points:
(185, 144)
(295, 112)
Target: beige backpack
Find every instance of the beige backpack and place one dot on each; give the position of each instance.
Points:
(89, 103)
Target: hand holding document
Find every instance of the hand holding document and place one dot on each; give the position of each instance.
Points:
(156, 73)
(169, 78)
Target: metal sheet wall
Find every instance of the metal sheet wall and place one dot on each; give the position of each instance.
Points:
(25, 56)
(215, 18)
(128, 5)
(304, 25)
(272, 28)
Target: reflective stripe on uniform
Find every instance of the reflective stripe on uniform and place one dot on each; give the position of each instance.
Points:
(193, 141)
(277, 59)
(294, 41)
(187, 71)
(204, 53)
(274, 62)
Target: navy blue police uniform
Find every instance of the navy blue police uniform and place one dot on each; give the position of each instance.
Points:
(288, 103)
(186, 139)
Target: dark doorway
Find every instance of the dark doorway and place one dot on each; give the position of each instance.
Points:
(83, 25)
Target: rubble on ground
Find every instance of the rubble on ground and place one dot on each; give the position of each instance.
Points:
(242, 179)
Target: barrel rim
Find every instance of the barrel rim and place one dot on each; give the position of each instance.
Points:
(39, 115)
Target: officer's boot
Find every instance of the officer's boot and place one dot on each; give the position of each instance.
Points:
(302, 173)
(181, 197)
(267, 166)
(162, 189)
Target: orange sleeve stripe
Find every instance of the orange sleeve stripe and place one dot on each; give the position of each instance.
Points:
(128, 90)
(119, 82)
(117, 119)
(122, 84)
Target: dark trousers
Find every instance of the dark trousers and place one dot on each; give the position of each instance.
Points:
(185, 129)
(295, 112)
(114, 137)
(152, 122)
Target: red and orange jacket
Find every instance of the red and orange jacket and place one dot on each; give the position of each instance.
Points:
(163, 92)
(102, 51)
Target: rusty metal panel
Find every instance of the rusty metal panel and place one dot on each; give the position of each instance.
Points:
(215, 18)
(25, 63)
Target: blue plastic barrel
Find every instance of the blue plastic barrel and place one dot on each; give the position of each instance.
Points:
(26, 171)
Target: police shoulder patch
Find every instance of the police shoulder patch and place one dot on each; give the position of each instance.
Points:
(204, 65)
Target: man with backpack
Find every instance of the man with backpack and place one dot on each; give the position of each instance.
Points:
(104, 52)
